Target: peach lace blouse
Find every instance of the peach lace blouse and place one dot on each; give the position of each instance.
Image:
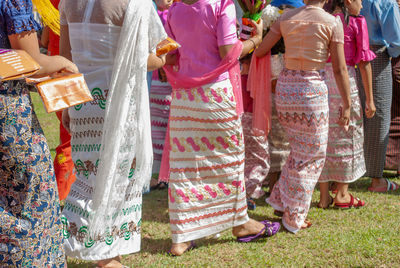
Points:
(308, 32)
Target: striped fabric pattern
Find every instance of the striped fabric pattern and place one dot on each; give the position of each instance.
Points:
(279, 147)
(393, 149)
(160, 101)
(206, 187)
(345, 154)
(376, 129)
(257, 160)
(302, 106)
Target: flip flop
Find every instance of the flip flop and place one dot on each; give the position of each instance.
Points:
(351, 204)
(251, 205)
(160, 186)
(278, 213)
(192, 246)
(270, 228)
(391, 186)
(308, 224)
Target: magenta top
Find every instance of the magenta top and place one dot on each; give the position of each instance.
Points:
(356, 40)
(200, 29)
(163, 15)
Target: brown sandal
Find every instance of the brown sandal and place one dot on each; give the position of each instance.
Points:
(307, 223)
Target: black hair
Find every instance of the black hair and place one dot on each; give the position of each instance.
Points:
(340, 3)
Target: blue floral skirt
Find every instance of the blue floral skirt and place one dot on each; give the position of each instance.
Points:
(30, 226)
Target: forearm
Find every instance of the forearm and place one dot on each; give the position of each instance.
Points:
(366, 76)
(250, 44)
(342, 82)
(49, 64)
(267, 43)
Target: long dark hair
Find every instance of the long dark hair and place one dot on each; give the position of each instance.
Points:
(340, 3)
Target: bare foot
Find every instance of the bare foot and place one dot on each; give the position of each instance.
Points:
(325, 202)
(178, 249)
(251, 227)
(111, 263)
(378, 183)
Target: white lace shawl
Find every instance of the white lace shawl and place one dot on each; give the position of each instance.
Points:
(127, 131)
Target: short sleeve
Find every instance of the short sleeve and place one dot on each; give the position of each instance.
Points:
(337, 31)
(18, 16)
(63, 16)
(226, 24)
(276, 27)
(363, 52)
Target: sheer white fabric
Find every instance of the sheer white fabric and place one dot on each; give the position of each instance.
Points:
(110, 12)
(127, 131)
(126, 139)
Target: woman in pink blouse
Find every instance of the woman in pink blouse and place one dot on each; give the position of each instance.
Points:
(301, 97)
(206, 152)
(345, 155)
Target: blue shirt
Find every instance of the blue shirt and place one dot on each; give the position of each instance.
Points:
(383, 20)
(293, 3)
(15, 17)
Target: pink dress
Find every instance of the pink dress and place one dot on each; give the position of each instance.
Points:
(206, 156)
(345, 155)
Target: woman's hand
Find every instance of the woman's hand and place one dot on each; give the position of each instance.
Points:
(154, 62)
(344, 117)
(66, 120)
(370, 109)
(70, 67)
(258, 27)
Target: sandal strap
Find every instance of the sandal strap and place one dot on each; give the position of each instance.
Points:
(391, 186)
(351, 204)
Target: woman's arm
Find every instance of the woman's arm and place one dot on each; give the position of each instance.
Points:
(342, 80)
(366, 75)
(267, 43)
(248, 45)
(50, 64)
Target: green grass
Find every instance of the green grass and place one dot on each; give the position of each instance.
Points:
(49, 123)
(367, 237)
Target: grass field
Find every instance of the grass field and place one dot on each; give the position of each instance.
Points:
(367, 237)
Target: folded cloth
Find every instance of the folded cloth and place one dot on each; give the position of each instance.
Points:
(16, 64)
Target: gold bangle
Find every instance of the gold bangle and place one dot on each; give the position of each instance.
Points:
(254, 43)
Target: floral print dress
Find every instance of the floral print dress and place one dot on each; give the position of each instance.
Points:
(30, 226)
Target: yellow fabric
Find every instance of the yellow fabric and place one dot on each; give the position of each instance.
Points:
(49, 14)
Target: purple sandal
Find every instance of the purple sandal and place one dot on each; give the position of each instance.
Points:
(270, 228)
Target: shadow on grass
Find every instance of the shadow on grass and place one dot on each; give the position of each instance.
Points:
(155, 206)
(162, 246)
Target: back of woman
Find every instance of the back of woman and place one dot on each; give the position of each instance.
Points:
(212, 25)
(104, 11)
(91, 31)
(308, 32)
(301, 99)
(94, 28)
